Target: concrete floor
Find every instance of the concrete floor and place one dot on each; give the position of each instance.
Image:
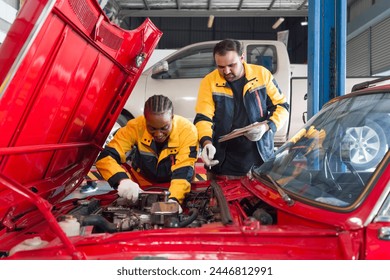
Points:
(102, 188)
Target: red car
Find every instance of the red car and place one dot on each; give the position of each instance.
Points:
(66, 73)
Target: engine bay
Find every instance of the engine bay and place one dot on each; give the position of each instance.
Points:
(153, 211)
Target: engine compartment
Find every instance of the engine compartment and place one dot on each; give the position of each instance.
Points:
(210, 204)
(153, 211)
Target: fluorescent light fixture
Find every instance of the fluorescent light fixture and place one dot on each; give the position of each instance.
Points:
(278, 22)
(211, 21)
(303, 23)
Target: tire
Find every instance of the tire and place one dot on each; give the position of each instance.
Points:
(120, 122)
(369, 145)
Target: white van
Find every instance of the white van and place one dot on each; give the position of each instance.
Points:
(178, 76)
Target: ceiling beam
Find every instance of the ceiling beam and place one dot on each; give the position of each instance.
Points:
(271, 4)
(146, 4)
(124, 13)
(209, 4)
(240, 5)
(302, 5)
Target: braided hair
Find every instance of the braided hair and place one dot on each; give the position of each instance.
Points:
(158, 104)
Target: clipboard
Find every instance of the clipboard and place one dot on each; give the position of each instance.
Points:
(240, 131)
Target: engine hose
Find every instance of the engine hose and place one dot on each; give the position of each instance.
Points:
(193, 214)
(223, 205)
(98, 221)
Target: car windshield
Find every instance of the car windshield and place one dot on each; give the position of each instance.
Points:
(331, 159)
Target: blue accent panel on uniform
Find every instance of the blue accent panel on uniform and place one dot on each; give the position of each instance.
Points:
(272, 126)
(193, 152)
(108, 151)
(252, 100)
(146, 164)
(224, 110)
(276, 85)
(204, 139)
(186, 173)
(114, 180)
(201, 117)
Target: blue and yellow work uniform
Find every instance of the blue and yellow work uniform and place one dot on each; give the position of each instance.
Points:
(262, 100)
(174, 163)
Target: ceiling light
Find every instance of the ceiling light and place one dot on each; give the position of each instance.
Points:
(211, 21)
(304, 23)
(278, 22)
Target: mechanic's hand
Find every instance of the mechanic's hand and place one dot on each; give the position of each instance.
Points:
(208, 154)
(174, 201)
(129, 189)
(256, 133)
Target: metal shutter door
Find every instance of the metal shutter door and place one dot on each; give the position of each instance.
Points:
(358, 55)
(380, 42)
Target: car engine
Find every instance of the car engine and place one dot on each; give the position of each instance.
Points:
(151, 211)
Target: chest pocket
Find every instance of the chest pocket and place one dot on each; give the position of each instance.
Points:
(256, 104)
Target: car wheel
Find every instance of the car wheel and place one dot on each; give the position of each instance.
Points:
(369, 145)
(120, 122)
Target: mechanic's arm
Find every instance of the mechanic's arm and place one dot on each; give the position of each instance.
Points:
(110, 159)
(204, 109)
(183, 169)
(278, 106)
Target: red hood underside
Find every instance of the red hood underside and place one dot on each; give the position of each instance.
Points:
(65, 74)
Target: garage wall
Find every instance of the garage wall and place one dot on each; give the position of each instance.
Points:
(179, 32)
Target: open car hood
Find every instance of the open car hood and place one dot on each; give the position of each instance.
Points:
(65, 74)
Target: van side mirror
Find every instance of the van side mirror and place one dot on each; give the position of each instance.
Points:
(160, 67)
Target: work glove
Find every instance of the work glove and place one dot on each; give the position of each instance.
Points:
(256, 133)
(174, 201)
(208, 153)
(129, 189)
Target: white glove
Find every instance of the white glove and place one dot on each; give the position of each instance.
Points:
(256, 133)
(208, 153)
(174, 201)
(129, 189)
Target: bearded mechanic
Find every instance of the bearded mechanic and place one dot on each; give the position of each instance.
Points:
(235, 95)
(163, 148)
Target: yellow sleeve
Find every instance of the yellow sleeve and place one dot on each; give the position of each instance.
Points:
(204, 109)
(114, 154)
(280, 115)
(183, 170)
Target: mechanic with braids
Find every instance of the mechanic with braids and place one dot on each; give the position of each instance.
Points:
(162, 147)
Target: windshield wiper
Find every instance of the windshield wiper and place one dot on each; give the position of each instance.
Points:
(260, 174)
(282, 193)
